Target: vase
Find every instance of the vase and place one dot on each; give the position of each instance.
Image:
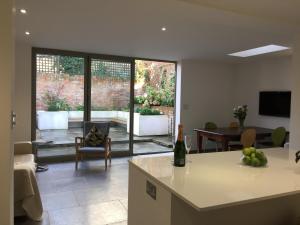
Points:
(241, 121)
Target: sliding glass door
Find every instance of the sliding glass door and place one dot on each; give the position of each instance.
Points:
(135, 96)
(154, 100)
(110, 99)
(59, 102)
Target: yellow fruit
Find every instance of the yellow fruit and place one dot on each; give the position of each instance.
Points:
(247, 151)
(255, 162)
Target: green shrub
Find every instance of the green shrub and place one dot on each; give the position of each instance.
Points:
(148, 111)
(79, 108)
(139, 100)
(100, 108)
(71, 65)
(154, 96)
(167, 102)
(54, 103)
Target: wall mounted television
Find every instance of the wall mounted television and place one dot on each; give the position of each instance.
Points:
(275, 103)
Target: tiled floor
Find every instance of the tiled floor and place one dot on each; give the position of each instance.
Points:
(89, 196)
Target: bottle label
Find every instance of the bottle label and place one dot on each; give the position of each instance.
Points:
(180, 162)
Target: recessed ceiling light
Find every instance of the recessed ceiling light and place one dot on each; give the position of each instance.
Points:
(23, 11)
(163, 29)
(259, 51)
(27, 33)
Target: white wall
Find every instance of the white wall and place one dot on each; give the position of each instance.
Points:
(6, 78)
(23, 91)
(210, 90)
(295, 115)
(271, 74)
(206, 94)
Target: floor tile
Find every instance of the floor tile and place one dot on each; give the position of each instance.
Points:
(69, 216)
(98, 195)
(119, 223)
(124, 202)
(89, 196)
(26, 221)
(95, 214)
(60, 200)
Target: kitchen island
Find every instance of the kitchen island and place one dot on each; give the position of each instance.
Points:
(214, 188)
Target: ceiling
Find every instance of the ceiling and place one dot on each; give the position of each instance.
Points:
(196, 29)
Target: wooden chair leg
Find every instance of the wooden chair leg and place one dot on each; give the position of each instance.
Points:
(76, 163)
(105, 162)
(204, 144)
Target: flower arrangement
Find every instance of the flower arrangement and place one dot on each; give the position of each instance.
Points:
(240, 113)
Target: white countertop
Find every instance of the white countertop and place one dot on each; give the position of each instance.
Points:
(215, 180)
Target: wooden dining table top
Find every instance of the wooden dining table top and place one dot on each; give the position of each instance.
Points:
(232, 132)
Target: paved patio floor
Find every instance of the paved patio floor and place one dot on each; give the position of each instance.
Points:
(61, 142)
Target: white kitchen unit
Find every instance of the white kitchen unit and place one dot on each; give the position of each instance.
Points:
(214, 189)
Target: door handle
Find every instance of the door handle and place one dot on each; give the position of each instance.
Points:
(13, 119)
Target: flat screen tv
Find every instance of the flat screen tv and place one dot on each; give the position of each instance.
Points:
(275, 103)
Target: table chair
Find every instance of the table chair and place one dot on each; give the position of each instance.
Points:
(210, 126)
(248, 138)
(95, 141)
(278, 138)
(234, 125)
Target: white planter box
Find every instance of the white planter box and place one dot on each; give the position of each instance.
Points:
(76, 115)
(149, 125)
(52, 120)
(123, 115)
(103, 114)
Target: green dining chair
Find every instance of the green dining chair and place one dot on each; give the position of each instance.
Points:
(278, 137)
(210, 126)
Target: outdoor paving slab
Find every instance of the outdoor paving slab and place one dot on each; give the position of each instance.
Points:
(138, 148)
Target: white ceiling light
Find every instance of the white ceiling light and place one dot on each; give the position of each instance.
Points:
(23, 11)
(259, 51)
(27, 33)
(163, 29)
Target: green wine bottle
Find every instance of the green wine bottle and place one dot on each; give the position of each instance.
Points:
(179, 150)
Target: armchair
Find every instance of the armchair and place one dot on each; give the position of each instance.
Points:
(82, 149)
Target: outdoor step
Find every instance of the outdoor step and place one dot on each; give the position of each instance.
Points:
(72, 144)
(162, 143)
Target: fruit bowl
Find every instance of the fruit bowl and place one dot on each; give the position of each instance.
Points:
(252, 157)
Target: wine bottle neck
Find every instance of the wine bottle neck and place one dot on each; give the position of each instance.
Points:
(180, 133)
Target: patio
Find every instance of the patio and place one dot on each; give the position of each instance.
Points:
(61, 142)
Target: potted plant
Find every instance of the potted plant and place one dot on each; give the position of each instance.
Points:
(240, 113)
(148, 122)
(56, 116)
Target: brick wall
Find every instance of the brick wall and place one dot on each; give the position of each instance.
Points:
(106, 92)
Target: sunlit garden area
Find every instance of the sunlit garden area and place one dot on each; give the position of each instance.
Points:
(60, 102)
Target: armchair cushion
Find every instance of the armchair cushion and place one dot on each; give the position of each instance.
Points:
(92, 149)
(95, 138)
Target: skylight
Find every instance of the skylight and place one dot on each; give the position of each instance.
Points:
(259, 51)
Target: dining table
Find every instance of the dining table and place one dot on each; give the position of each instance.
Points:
(224, 135)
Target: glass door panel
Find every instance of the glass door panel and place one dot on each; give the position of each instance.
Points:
(59, 102)
(154, 98)
(110, 98)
